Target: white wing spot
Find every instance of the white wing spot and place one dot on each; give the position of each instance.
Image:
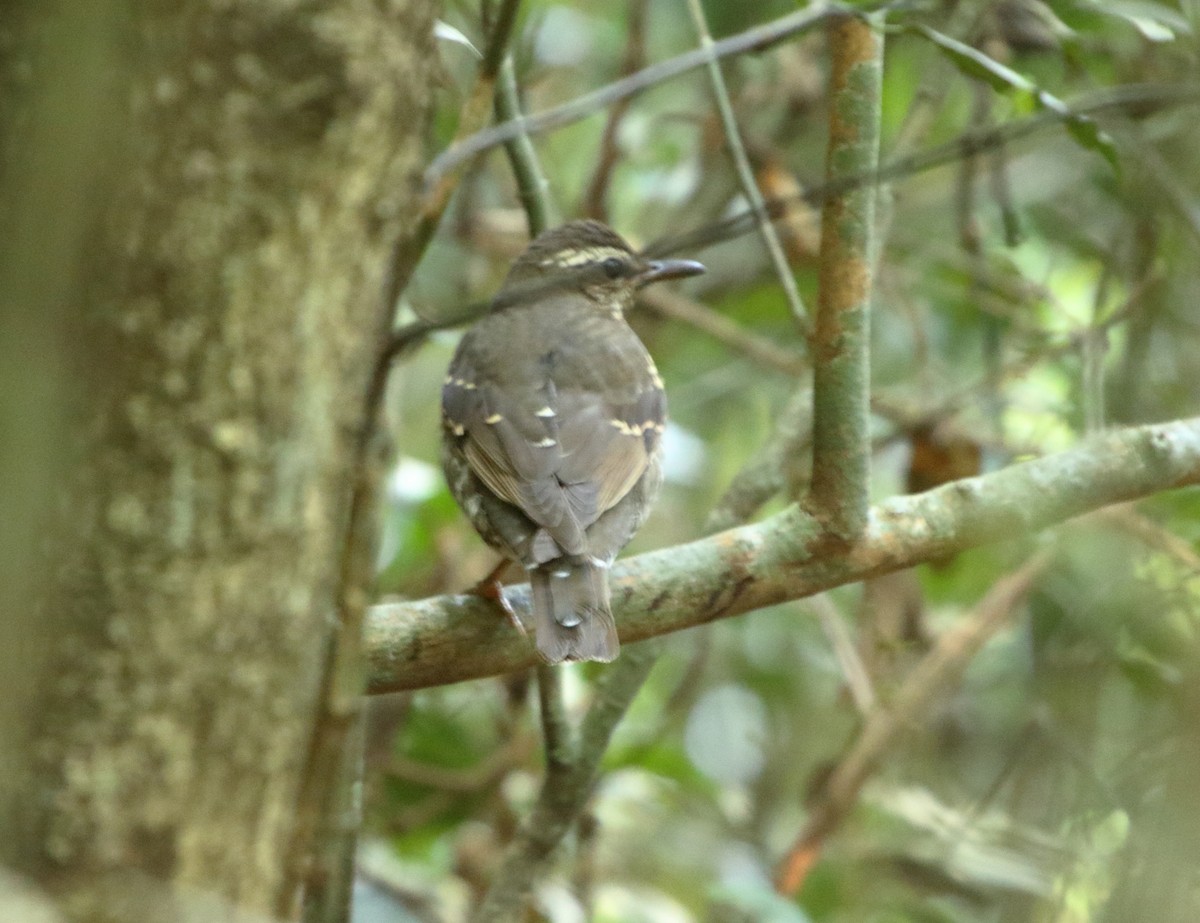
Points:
(493, 419)
(545, 443)
(544, 412)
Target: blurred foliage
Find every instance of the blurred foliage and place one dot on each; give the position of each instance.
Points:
(1027, 292)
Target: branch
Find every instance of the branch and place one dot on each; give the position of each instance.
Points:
(593, 202)
(472, 117)
(754, 346)
(758, 38)
(1137, 99)
(938, 670)
(532, 185)
(741, 161)
(447, 639)
(782, 460)
(840, 489)
(565, 789)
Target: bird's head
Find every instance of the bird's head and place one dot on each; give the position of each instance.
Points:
(590, 258)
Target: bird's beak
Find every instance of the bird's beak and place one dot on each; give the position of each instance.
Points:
(659, 270)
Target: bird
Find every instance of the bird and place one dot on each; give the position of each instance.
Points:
(553, 416)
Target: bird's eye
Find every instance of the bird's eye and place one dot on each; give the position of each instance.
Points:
(613, 267)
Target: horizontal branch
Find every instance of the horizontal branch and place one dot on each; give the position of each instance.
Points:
(446, 639)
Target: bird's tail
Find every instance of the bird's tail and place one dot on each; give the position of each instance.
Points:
(571, 612)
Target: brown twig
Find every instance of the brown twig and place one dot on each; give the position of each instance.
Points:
(760, 349)
(1018, 367)
(1129, 97)
(463, 781)
(854, 672)
(757, 38)
(934, 674)
(634, 59)
(783, 459)
(565, 790)
(1152, 535)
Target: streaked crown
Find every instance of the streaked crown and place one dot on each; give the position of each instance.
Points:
(589, 257)
(576, 243)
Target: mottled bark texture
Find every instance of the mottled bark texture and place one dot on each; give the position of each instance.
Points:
(209, 193)
(841, 475)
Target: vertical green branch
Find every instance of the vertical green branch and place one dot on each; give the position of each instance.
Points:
(841, 340)
(532, 185)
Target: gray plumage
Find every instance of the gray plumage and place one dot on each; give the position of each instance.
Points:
(553, 415)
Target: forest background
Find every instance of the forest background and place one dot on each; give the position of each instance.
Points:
(937, 380)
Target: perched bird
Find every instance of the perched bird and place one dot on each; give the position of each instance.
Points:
(552, 415)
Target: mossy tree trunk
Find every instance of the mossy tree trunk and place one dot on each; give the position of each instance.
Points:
(200, 201)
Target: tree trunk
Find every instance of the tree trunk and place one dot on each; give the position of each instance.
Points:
(199, 203)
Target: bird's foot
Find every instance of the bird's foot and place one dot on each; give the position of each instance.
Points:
(492, 589)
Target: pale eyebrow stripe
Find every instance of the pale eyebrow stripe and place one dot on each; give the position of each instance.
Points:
(585, 255)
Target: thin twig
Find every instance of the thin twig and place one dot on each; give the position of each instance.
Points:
(668, 303)
(936, 82)
(758, 38)
(1131, 96)
(745, 172)
(488, 771)
(532, 185)
(936, 672)
(556, 729)
(1152, 534)
(593, 204)
(472, 118)
(854, 672)
(1070, 344)
(1137, 96)
(772, 468)
(1093, 352)
(565, 792)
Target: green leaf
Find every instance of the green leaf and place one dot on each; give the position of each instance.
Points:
(1003, 79)
(974, 63)
(1157, 22)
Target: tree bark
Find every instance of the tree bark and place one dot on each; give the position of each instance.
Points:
(205, 196)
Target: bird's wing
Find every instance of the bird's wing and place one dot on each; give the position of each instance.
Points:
(562, 456)
(607, 445)
(510, 440)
